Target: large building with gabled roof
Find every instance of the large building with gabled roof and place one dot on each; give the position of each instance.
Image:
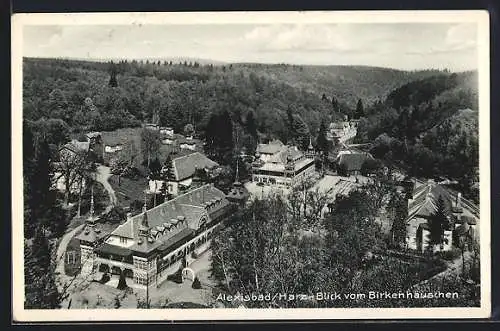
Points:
(151, 245)
(280, 164)
(462, 214)
(183, 169)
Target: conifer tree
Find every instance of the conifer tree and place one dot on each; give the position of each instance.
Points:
(219, 137)
(360, 112)
(166, 170)
(438, 222)
(321, 142)
(335, 105)
(122, 283)
(251, 125)
(112, 75)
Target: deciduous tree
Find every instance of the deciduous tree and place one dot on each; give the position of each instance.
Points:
(150, 145)
(73, 165)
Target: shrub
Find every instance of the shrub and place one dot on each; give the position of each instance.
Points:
(117, 302)
(176, 277)
(196, 283)
(104, 279)
(475, 273)
(122, 283)
(450, 255)
(116, 215)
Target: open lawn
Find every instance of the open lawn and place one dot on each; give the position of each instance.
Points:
(338, 184)
(260, 192)
(128, 190)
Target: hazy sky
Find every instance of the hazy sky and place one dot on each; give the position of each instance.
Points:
(397, 45)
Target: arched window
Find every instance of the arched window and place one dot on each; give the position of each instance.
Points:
(202, 224)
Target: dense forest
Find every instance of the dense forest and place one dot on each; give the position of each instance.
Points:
(429, 127)
(107, 96)
(424, 122)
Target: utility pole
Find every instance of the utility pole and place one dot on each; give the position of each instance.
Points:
(154, 197)
(147, 286)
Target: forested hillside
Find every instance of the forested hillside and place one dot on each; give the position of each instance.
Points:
(429, 127)
(411, 116)
(347, 84)
(106, 96)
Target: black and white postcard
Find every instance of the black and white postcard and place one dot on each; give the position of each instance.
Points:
(251, 165)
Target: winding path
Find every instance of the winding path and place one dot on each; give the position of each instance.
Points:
(61, 278)
(102, 175)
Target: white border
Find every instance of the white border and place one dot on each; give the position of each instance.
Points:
(481, 17)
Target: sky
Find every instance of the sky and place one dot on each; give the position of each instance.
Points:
(406, 46)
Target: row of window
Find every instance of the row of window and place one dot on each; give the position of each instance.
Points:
(143, 280)
(144, 265)
(71, 257)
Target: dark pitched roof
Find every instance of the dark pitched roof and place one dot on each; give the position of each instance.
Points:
(174, 216)
(173, 241)
(353, 161)
(425, 199)
(185, 166)
(113, 250)
(92, 234)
